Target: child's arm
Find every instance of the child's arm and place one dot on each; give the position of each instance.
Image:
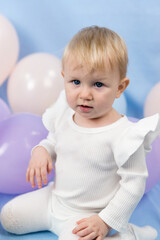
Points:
(41, 161)
(40, 164)
(133, 174)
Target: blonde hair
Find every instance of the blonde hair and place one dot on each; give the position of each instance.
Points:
(95, 47)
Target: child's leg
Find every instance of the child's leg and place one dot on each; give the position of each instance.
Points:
(66, 232)
(135, 233)
(28, 212)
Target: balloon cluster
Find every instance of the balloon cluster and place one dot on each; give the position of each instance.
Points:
(35, 81)
(34, 84)
(151, 107)
(19, 133)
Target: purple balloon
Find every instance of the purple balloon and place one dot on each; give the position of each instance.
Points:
(18, 135)
(153, 165)
(4, 110)
(132, 119)
(153, 162)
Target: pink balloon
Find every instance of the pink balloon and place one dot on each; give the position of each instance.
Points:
(35, 83)
(9, 48)
(18, 135)
(4, 110)
(152, 104)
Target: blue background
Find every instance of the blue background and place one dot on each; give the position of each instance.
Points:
(48, 25)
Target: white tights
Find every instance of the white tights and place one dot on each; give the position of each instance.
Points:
(40, 211)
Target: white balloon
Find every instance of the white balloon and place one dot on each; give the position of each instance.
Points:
(35, 83)
(152, 103)
(9, 48)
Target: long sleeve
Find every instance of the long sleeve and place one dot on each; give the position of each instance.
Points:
(133, 176)
(49, 145)
(50, 118)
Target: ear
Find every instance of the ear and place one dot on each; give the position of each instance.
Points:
(122, 86)
(62, 74)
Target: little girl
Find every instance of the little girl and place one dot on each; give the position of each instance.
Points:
(98, 154)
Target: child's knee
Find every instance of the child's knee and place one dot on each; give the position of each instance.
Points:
(8, 220)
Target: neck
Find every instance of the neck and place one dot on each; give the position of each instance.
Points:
(111, 117)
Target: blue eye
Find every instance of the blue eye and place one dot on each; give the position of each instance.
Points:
(76, 82)
(98, 84)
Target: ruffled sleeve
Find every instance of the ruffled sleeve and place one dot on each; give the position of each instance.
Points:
(55, 112)
(129, 152)
(50, 119)
(142, 132)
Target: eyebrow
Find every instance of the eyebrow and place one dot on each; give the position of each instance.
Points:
(102, 78)
(72, 77)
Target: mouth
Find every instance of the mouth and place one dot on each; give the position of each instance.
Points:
(85, 108)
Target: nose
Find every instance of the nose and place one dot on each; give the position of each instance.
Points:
(86, 94)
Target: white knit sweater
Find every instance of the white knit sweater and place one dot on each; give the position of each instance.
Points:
(101, 169)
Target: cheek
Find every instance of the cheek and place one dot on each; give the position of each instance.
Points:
(70, 98)
(112, 95)
(107, 100)
(68, 92)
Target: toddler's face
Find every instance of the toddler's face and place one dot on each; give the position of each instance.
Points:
(90, 94)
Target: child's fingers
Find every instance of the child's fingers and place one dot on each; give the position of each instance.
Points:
(85, 232)
(99, 238)
(32, 177)
(44, 175)
(49, 166)
(82, 220)
(89, 236)
(27, 175)
(38, 177)
(79, 228)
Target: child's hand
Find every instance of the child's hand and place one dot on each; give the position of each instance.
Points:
(40, 163)
(91, 228)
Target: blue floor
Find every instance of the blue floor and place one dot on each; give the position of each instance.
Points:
(146, 213)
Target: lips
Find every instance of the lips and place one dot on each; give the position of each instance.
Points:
(85, 108)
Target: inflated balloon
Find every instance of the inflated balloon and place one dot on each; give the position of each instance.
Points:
(133, 119)
(153, 165)
(35, 83)
(9, 48)
(4, 110)
(152, 105)
(18, 135)
(153, 162)
(120, 104)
